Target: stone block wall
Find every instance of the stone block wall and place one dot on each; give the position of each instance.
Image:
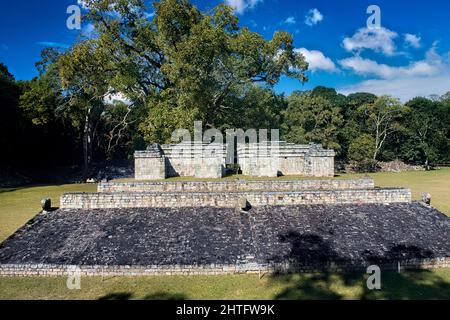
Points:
(185, 160)
(48, 270)
(321, 166)
(209, 168)
(296, 165)
(259, 166)
(268, 159)
(281, 158)
(231, 199)
(148, 167)
(236, 185)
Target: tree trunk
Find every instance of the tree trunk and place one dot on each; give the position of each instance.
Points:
(427, 165)
(87, 145)
(377, 149)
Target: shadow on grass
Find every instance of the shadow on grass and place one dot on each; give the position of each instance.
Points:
(408, 285)
(117, 296)
(165, 296)
(9, 189)
(153, 296)
(419, 284)
(310, 249)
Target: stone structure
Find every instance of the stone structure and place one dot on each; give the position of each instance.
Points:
(226, 226)
(187, 241)
(62, 270)
(236, 185)
(231, 199)
(228, 194)
(255, 159)
(184, 159)
(266, 160)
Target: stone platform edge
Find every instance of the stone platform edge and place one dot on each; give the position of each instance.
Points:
(55, 270)
(232, 199)
(236, 185)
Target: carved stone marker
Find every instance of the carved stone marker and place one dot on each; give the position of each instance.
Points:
(243, 204)
(426, 197)
(46, 204)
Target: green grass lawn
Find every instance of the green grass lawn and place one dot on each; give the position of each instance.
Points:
(406, 285)
(436, 182)
(18, 205)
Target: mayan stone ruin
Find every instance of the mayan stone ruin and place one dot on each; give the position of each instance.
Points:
(201, 160)
(227, 226)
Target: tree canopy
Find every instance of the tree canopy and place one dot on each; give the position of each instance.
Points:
(138, 77)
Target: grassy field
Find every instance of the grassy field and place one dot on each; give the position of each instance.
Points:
(18, 205)
(408, 285)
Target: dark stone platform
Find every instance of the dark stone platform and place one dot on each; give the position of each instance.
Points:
(310, 234)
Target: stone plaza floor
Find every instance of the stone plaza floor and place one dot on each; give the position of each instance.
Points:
(309, 234)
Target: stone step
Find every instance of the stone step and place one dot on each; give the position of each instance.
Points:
(236, 185)
(231, 199)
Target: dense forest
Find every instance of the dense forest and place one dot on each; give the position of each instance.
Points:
(137, 79)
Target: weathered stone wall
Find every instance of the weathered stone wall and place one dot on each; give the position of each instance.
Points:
(46, 270)
(236, 185)
(185, 160)
(148, 167)
(321, 166)
(281, 158)
(231, 199)
(268, 159)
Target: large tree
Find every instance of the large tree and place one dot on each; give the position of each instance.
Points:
(312, 118)
(427, 128)
(10, 119)
(382, 119)
(186, 65)
(85, 72)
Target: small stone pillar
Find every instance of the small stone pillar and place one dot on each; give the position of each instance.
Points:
(243, 204)
(46, 204)
(426, 197)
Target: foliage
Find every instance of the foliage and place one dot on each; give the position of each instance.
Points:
(39, 101)
(382, 117)
(427, 133)
(138, 77)
(310, 118)
(362, 148)
(10, 120)
(186, 65)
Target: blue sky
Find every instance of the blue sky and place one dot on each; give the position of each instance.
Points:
(408, 56)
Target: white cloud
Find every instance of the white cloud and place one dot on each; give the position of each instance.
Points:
(117, 97)
(290, 20)
(53, 44)
(433, 64)
(317, 60)
(149, 15)
(313, 17)
(240, 6)
(83, 4)
(88, 31)
(367, 67)
(403, 88)
(377, 39)
(419, 78)
(412, 40)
